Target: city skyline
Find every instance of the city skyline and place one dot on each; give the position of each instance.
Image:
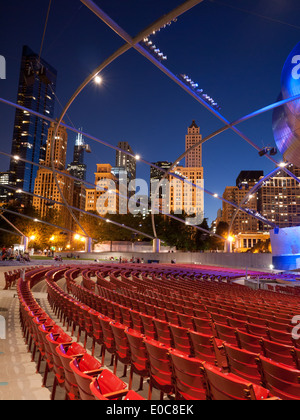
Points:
(138, 104)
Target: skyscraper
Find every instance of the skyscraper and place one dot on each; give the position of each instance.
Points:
(46, 186)
(123, 160)
(183, 196)
(78, 168)
(194, 157)
(36, 91)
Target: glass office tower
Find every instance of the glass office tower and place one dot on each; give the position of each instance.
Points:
(36, 91)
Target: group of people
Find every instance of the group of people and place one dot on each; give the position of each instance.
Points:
(8, 254)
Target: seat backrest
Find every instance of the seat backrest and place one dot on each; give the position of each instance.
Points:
(108, 336)
(139, 355)
(280, 353)
(281, 380)
(121, 341)
(189, 379)
(148, 325)
(85, 368)
(226, 333)
(242, 363)
(203, 325)
(248, 342)
(163, 332)
(159, 361)
(229, 387)
(202, 347)
(181, 339)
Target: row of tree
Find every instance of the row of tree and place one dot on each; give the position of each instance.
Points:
(171, 232)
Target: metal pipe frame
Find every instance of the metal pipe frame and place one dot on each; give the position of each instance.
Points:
(116, 148)
(131, 42)
(94, 215)
(134, 43)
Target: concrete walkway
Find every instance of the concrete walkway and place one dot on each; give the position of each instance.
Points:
(18, 377)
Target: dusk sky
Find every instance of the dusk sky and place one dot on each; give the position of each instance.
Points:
(234, 49)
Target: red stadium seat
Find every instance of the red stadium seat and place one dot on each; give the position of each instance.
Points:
(189, 380)
(242, 363)
(281, 380)
(229, 387)
(160, 368)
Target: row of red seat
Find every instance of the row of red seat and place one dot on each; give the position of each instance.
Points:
(67, 360)
(282, 353)
(170, 370)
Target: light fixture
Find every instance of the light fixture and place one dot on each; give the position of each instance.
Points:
(199, 92)
(98, 80)
(137, 157)
(271, 150)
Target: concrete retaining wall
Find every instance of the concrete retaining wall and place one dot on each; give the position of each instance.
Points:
(247, 260)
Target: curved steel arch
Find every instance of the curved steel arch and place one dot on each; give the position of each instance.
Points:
(129, 43)
(96, 10)
(116, 148)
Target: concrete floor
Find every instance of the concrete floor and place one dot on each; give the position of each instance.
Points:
(18, 377)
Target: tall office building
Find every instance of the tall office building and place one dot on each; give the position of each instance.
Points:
(106, 183)
(155, 173)
(6, 194)
(125, 161)
(194, 157)
(78, 168)
(279, 200)
(183, 196)
(36, 91)
(243, 223)
(45, 184)
(155, 178)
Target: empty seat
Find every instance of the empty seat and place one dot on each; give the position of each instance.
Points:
(203, 325)
(186, 321)
(279, 353)
(228, 387)
(107, 385)
(242, 363)
(281, 380)
(279, 337)
(163, 332)
(139, 356)
(148, 326)
(257, 330)
(122, 346)
(66, 353)
(136, 321)
(160, 368)
(226, 333)
(53, 360)
(125, 394)
(181, 338)
(202, 347)
(109, 343)
(85, 368)
(189, 380)
(248, 341)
